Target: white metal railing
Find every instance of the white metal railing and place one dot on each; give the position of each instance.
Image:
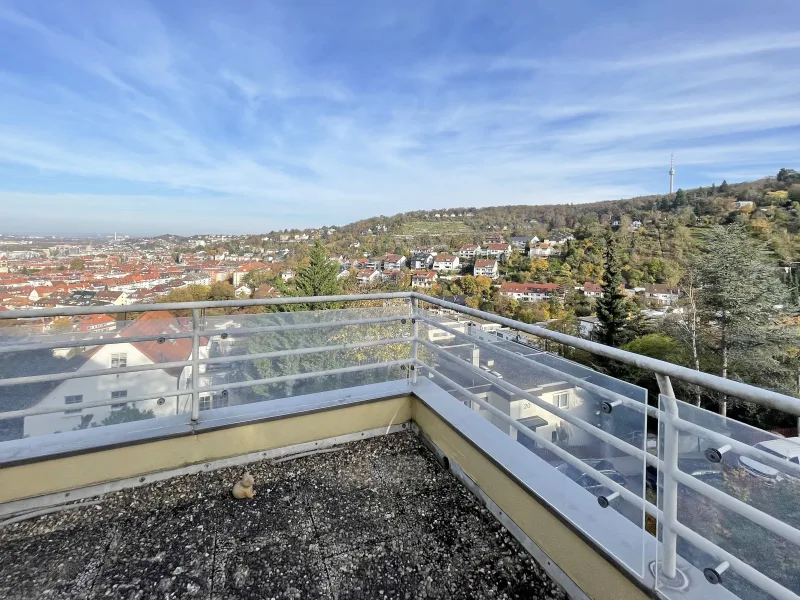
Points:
(414, 338)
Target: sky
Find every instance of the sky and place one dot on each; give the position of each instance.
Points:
(193, 116)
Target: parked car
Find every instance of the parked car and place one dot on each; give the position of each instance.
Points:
(699, 468)
(589, 483)
(785, 448)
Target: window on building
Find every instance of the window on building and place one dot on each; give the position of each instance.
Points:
(119, 359)
(119, 394)
(75, 399)
(562, 400)
(209, 401)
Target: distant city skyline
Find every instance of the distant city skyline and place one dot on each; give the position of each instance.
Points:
(189, 117)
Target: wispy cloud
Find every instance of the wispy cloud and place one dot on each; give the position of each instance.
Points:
(262, 116)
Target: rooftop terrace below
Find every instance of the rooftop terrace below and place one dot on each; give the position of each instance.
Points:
(377, 518)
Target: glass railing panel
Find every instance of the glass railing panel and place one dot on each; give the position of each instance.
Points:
(768, 488)
(549, 395)
(74, 354)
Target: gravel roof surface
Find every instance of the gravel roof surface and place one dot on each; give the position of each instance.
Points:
(378, 519)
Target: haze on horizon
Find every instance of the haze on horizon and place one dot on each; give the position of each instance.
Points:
(201, 116)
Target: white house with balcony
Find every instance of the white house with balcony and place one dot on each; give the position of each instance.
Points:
(423, 279)
(487, 268)
(446, 262)
(367, 276)
(497, 251)
(393, 262)
(73, 395)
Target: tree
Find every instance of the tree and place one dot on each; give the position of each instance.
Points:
(739, 293)
(687, 323)
(612, 310)
(126, 414)
(222, 290)
(724, 188)
(77, 264)
(320, 276)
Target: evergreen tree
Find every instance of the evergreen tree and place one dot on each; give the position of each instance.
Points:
(320, 276)
(612, 310)
(724, 188)
(740, 293)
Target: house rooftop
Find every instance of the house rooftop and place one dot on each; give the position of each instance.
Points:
(377, 518)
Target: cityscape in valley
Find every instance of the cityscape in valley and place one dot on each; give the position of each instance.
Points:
(629, 273)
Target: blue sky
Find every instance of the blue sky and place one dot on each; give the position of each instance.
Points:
(199, 116)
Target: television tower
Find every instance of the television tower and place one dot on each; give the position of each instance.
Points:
(671, 172)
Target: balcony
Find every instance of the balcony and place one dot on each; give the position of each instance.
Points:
(402, 446)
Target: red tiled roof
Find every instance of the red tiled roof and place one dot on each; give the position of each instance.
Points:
(424, 274)
(534, 288)
(157, 323)
(479, 264)
(594, 288)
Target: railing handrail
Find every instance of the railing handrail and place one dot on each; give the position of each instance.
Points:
(66, 311)
(737, 389)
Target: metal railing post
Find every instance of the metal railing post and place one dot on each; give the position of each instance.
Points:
(414, 338)
(669, 507)
(195, 364)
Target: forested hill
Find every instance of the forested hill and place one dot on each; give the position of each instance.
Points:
(774, 210)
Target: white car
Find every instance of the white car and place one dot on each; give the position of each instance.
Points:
(787, 449)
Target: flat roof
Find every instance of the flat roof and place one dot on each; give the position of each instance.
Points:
(378, 518)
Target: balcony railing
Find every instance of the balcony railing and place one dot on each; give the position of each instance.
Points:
(708, 507)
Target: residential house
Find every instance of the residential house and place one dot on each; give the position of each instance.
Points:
(77, 396)
(367, 276)
(96, 323)
(266, 291)
(446, 262)
(487, 267)
(530, 292)
(663, 295)
(543, 250)
(393, 262)
(422, 261)
(499, 251)
(592, 290)
(243, 271)
(115, 298)
(469, 251)
(744, 204)
(519, 241)
(423, 279)
(394, 276)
